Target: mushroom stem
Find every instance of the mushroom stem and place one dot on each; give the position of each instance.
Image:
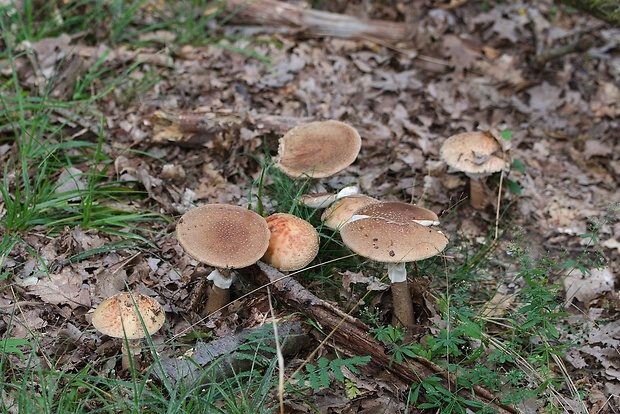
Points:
(477, 197)
(217, 298)
(219, 293)
(401, 298)
(130, 350)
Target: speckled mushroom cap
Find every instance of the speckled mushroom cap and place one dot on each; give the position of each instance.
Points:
(294, 242)
(223, 236)
(119, 317)
(473, 153)
(399, 213)
(342, 209)
(391, 237)
(318, 149)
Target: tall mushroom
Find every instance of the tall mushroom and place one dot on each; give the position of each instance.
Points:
(395, 232)
(131, 317)
(478, 155)
(225, 237)
(318, 149)
(293, 244)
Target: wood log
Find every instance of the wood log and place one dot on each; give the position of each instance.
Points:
(314, 23)
(351, 335)
(194, 128)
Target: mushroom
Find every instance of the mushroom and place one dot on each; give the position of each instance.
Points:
(293, 244)
(318, 149)
(341, 211)
(478, 155)
(395, 232)
(325, 199)
(225, 237)
(129, 316)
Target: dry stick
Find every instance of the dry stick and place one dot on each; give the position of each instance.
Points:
(205, 124)
(314, 23)
(352, 334)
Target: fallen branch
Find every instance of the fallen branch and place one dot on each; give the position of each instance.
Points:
(196, 127)
(313, 23)
(351, 335)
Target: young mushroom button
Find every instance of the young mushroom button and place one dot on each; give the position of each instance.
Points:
(225, 237)
(478, 155)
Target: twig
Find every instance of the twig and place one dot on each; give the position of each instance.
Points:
(579, 45)
(314, 23)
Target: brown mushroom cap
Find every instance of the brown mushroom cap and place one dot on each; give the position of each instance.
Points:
(473, 153)
(119, 317)
(399, 213)
(294, 242)
(337, 214)
(392, 236)
(318, 149)
(223, 236)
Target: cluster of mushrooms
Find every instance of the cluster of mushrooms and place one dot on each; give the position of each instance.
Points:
(227, 237)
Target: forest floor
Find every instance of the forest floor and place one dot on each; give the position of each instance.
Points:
(474, 66)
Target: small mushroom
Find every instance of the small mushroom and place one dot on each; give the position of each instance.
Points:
(225, 237)
(293, 244)
(318, 149)
(395, 232)
(324, 199)
(341, 211)
(131, 317)
(478, 155)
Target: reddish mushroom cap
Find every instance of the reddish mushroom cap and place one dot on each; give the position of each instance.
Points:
(293, 244)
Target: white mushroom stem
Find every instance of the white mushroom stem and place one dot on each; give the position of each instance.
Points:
(219, 294)
(477, 192)
(401, 298)
(397, 273)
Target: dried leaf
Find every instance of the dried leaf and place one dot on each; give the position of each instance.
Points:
(64, 288)
(372, 282)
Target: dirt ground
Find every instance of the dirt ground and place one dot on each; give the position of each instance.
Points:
(468, 67)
